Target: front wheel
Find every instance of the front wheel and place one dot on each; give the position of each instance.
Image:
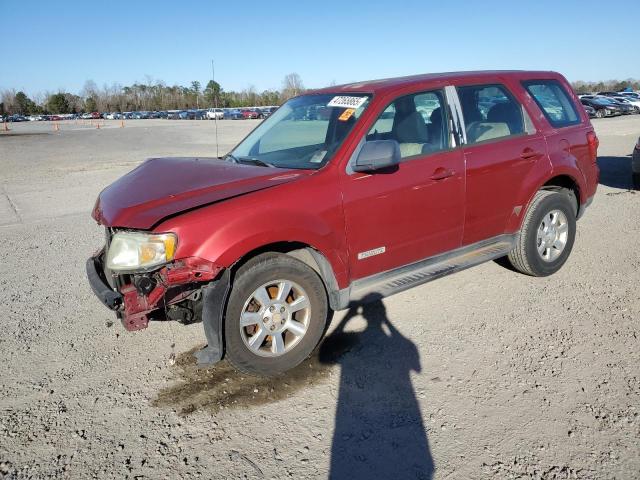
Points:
(600, 113)
(547, 234)
(276, 315)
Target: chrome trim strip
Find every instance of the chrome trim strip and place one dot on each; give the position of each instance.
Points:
(402, 278)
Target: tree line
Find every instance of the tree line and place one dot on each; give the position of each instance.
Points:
(155, 95)
(150, 95)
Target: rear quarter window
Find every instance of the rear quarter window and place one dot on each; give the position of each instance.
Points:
(554, 101)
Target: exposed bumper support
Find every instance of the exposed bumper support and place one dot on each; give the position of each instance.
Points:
(214, 298)
(135, 308)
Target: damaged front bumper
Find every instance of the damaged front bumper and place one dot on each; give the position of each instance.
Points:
(186, 285)
(99, 285)
(139, 297)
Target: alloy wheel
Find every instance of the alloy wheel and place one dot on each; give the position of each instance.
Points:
(552, 235)
(275, 318)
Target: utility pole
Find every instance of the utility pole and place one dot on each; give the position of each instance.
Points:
(215, 105)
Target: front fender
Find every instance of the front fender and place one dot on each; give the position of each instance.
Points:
(225, 232)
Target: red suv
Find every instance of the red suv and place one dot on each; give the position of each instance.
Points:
(402, 181)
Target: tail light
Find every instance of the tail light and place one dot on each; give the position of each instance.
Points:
(593, 142)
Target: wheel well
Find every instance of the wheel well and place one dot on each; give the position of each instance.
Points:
(565, 182)
(307, 255)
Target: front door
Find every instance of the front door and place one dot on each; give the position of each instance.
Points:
(397, 217)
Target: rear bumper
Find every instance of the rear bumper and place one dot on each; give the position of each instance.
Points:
(95, 273)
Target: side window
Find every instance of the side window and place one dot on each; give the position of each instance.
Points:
(416, 122)
(554, 102)
(490, 112)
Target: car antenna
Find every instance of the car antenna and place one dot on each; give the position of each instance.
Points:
(215, 105)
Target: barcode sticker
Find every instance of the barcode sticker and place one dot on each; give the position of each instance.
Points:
(346, 102)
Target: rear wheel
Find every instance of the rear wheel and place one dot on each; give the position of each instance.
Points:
(636, 180)
(547, 235)
(276, 315)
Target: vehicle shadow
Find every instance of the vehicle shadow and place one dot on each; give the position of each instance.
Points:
(615, 172)
(379, 431)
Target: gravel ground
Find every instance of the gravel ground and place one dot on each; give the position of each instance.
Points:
(483, 374)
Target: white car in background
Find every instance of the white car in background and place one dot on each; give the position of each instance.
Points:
(635, 102)
(635, 95)
(215, 114)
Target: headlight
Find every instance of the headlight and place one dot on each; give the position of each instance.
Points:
(140, 251)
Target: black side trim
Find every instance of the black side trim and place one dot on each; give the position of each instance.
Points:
(214, 300)
(103, 291)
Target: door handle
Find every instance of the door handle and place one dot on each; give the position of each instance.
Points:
(530, 154)
(442, 173)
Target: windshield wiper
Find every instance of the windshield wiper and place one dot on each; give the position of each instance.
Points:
(254, 161)
(230, 158)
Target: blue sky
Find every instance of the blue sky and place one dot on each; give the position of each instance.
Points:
(50, 45)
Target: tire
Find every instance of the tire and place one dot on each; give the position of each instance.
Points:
(295, 345)
(530, 255)
(600, 113)
(635, 180)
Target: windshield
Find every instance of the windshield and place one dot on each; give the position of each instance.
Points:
(302, 133)
(602, 101)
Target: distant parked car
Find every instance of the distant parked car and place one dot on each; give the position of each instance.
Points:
(173, 115)
(200, 114)
(590, 110)
(602, 106)
(634, 102)
(608, 94)
(17, 118)
(187, 115)
(251, 113)
(266, 111)
(233, 114)
(625, 107)
(215, 114)
(635, 165)
(630, 94)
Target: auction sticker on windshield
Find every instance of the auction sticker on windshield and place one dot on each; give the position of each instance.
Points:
(343, 101)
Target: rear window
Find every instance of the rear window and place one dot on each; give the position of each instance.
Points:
(554, 102)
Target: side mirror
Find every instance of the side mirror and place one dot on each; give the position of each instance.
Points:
(377, 155)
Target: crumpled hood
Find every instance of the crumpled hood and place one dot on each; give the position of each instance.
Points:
(161, 187)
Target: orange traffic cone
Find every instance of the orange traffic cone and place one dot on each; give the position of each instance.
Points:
(121, 123)
(98, 125)
(6, 126)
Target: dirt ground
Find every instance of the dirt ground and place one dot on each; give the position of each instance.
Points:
(483, 374)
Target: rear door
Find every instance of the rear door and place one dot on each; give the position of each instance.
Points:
(501, 148)
(396, 217)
